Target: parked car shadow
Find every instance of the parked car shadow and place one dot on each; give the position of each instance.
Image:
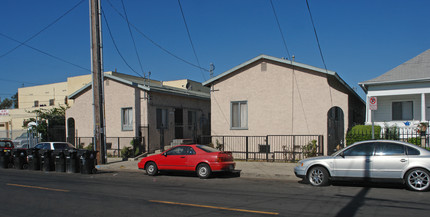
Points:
(216, 175)
(369, 184)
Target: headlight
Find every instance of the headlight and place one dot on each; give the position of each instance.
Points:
(300, 164)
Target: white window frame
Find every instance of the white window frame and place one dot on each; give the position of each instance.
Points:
(127, 119)
(242, 112)
(403, 116)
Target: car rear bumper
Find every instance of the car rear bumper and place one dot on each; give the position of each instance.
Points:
(223, 166)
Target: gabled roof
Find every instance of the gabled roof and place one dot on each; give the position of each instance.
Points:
(283, 61)
(416, 69)
(147, 86)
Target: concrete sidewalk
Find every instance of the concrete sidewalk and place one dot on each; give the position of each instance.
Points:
(262, 170)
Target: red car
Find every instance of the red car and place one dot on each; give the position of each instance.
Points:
(6, 144)
(200, 158)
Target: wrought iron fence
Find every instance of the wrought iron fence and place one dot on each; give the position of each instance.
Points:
(113, 144)
(269, 148)
(418, 138)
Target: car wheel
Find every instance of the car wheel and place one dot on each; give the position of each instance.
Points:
(204, 171)
(151, 169)
(418, 179)
(318, 176)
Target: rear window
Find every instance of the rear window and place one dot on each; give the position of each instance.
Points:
(62, 146)
(207, 148)
(6, 144)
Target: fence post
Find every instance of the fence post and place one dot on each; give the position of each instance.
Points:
(246, 148)
(267, 148)
(119, 150)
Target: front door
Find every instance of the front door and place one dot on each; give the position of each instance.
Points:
(335, 129)
(179, 123)
(355, 161)
(173, 159)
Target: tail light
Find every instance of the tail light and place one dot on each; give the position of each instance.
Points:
(224, 156)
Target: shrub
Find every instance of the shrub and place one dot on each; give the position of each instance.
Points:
(361, 133)
(136, 148)
(310, 150)
(415, 141)
(90, 147)
(126, 152)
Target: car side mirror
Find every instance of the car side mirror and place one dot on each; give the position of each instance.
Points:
(342, 155)
(165, 154)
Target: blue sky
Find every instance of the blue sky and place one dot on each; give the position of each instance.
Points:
(360, 40)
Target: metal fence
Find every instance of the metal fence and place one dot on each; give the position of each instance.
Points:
(113, 144)
(268, 148)
(11, 134)
(418, 138)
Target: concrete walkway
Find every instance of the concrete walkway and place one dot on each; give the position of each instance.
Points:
(262, 170)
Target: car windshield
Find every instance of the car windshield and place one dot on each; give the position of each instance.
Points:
(63, 146)
(207, 148)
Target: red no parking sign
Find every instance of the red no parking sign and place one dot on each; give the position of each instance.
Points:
(373, 103)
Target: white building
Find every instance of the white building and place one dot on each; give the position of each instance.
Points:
(403, 95)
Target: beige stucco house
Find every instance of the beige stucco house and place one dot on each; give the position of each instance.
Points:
(36, 97)
(274, 96)
(153, 111)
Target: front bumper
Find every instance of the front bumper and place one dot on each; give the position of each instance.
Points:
(300, 172)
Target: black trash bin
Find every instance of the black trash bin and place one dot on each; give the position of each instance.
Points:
(33, 159)
(72, 161)
(87, 161)
(5, 158)
(60, 160)
(46, 160)
(19, 158)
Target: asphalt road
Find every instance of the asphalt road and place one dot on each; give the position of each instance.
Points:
(36, 193)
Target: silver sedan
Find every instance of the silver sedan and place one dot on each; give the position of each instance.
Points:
(372, 160)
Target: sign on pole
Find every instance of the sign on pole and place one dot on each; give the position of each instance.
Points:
(373, 103)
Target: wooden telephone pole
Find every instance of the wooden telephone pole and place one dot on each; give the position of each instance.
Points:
(97, 74)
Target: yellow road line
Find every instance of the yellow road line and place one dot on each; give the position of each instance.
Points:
(37, 187)
(214, 207)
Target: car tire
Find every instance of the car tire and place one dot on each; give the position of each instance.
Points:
(318, 176)
(418, 179)
(204, 171)
(151, 169)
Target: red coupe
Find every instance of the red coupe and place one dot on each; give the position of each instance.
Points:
(200, 158)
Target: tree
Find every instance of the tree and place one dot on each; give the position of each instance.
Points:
(10, 103)
(15, 100)
(6, 104)
(46, 118)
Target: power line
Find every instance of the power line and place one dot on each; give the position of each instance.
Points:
(155, 43)
(294, 78)
(280, 30)
(191, 41)
(319, 47)
(49, 25)
(316, 35)
(132, 38)
(43, 52)
(21, 82)
(115, 45)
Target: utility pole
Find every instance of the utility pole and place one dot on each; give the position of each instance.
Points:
(97, 74)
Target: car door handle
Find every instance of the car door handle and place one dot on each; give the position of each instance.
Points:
(368, 161)
(403, 160)
(183, 157)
